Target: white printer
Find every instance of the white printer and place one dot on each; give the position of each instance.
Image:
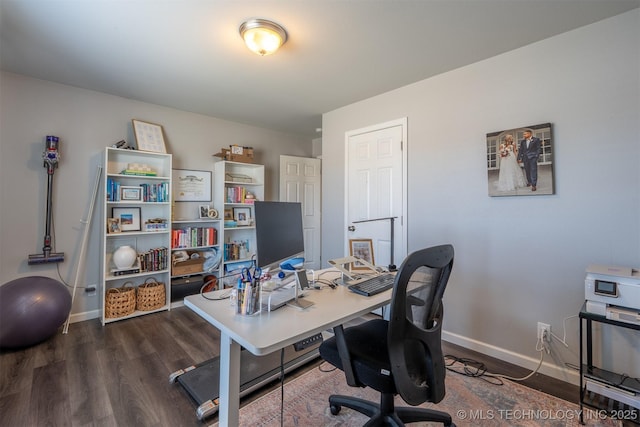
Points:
(613, 292)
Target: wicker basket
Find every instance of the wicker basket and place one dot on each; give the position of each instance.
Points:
(151, 295)
(120, 302)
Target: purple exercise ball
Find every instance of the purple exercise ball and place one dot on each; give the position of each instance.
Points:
(31, 310)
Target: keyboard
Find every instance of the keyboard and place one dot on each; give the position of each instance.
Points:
(374, 285)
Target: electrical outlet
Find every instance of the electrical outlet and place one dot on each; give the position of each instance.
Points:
(90, 290)
(544, 332)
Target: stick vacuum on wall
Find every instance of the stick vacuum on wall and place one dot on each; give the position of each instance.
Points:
(51, 158)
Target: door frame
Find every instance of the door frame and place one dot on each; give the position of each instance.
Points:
(402, 216)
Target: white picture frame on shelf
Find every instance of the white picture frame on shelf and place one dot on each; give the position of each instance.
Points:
(242, 216)
(130, 194)
(203, 211)
(149, 136)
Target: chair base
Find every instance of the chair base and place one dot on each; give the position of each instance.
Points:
(396, 417)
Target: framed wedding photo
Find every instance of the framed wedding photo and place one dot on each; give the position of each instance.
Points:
(520, 161)
(129, 218)
(363, 249)
(149, 136)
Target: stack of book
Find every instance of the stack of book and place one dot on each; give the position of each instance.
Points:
(193, 237)
(156, 259)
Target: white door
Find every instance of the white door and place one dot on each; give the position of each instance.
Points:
(376, 189)
(300, 181)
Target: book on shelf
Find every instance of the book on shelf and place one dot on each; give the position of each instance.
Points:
(236, 194)
(236, 250)
(134, 269)
(189, 237)
(138, 173)
(156, 192)
(155, 259)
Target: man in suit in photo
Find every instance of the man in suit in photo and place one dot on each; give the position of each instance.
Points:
(528, 153)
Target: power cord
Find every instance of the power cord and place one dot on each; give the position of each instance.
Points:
(472, 368)
(564, 331)
(321, 369)
(282, 387)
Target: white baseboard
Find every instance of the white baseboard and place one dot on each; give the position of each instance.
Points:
(95, 314)
(559, 372)
(86, 315)
(569, 375)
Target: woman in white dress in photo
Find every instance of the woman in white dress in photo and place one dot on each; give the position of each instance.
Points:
(510, 176)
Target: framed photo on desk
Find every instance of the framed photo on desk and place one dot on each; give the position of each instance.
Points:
(363, 249)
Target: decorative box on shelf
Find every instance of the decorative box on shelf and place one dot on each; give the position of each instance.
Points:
(236, 153)
(189, 266)
(156, 224)
(237, 177)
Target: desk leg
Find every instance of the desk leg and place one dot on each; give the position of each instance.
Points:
(229, 382)
(581, 373)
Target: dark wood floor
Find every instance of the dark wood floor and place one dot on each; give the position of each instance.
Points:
(118, 375)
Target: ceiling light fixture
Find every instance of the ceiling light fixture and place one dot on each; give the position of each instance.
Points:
(262, 36)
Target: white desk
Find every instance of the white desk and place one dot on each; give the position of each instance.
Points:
(270, 331)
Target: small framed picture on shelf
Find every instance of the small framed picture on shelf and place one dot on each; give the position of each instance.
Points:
(149, 136)
(228, 214)
(203, 211)
(213, 213)
(130, 194)
(242, 216)
(129, 218)
(363, 249)
(113, 225)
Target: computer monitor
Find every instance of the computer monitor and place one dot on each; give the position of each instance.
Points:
(279, 234)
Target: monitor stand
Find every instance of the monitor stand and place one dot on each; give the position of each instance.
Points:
(299, 303)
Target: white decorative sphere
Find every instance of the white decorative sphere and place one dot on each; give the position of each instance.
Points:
(124, 257)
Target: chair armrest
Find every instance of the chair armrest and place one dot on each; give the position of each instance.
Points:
(345, 358)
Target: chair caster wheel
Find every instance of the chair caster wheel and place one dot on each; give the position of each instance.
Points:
(335, 409)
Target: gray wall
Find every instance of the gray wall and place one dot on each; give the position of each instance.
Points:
(519, 260)
(86, 122)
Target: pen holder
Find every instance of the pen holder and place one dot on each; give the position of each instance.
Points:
(248, 298)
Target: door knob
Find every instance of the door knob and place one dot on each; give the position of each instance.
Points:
(351, 228)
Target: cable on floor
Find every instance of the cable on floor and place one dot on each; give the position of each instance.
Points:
(472, 368)
(469, 368)
(321, 369)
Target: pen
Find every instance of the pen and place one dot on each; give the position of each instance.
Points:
(240, 297)
(248, 299)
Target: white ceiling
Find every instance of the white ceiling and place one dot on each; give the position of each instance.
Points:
(187, 54)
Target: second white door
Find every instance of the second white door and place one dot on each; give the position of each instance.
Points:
(301, 181)
(376, 187)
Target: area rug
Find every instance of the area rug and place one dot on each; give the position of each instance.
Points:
(471, 401)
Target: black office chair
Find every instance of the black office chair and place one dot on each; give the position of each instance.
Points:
(403, 355)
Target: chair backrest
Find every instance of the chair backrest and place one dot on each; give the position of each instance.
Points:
(415, 326)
